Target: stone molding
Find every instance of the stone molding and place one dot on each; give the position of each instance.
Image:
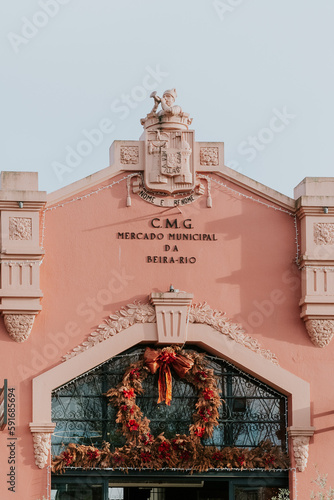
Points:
(114, 324)
(203, 313)
(300, 443)
(321, 331)
(19, 326)
(41, 434)
(146, 313)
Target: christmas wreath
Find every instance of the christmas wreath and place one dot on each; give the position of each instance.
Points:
(142, 449)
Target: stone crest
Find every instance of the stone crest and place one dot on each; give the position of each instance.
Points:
(169, 146)
(169, 162)
(168, 168)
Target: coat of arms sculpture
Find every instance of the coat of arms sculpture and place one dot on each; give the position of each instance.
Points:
(169, 147)
(168, 166)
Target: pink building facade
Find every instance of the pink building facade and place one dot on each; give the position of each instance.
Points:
(168, 249)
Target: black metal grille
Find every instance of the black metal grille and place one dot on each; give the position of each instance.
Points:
(252, 411)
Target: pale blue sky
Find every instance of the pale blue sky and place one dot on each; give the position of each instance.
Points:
(256, 74)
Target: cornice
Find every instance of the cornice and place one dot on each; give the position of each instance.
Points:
(255, 187)
(230, 175)
(12, 204)
(85, 184)
(315, 210)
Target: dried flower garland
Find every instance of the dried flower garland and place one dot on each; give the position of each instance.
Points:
(142, 450)
(178, 453)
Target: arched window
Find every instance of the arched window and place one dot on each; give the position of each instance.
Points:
(252, 411)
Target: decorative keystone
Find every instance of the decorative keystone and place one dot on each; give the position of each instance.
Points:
(171, 310)
(41, 434)
(300, 443)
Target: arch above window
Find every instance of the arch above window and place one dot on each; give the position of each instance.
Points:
(251, 412)
(203, 335)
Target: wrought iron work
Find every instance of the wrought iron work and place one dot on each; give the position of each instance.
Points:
(3, 405)
(252, 412)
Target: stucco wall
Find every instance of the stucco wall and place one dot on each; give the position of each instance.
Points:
(247, 270)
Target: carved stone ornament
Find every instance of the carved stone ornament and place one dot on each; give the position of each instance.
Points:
(209, 157)
(129, 155)
(169, 146)
(41, 434)
(42, 445)
(300, 444)
(324, 233)
(145, 313)
(300, 450)
(170, 115)
(321, 331)
(19, 325)
(169, 162)
(20, 228)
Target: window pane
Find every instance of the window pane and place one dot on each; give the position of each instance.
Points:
(76, 491)
(115, 493)
(251, 412)
(249, 493)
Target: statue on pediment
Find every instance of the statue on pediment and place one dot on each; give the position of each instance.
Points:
(170, 114)
(167, 103)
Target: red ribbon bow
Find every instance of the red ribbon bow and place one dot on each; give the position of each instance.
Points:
(163, 359)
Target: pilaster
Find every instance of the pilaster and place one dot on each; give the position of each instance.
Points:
(20, 252)
(315, 209)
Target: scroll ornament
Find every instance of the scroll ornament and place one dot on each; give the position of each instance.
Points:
(145, 313)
